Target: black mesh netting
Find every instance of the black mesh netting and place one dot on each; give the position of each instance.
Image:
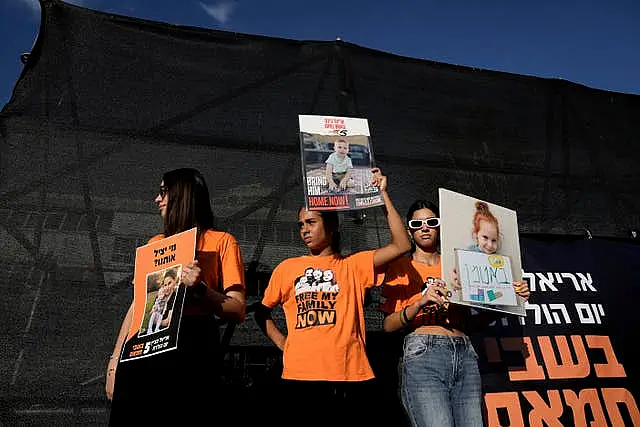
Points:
(106, 104)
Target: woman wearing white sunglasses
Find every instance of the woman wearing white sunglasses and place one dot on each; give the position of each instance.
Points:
(440, 383)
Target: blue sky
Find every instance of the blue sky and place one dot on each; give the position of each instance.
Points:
(596, 43)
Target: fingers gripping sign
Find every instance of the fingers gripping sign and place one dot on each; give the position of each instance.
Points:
(191, 274)
(378, 179)
(435, 293)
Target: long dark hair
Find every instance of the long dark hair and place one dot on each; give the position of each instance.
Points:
(416, 206)
(188, 204)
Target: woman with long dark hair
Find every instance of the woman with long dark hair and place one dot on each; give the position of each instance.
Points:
(440, 383)
(186, 379)
(326, 370)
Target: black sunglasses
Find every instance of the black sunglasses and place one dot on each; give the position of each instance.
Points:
(163, 192)
(416, 224)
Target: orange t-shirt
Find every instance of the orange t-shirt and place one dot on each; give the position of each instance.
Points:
(323, 302)
(403, 284)
(220, 260)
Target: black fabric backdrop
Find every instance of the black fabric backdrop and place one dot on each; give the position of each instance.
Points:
(107, 103)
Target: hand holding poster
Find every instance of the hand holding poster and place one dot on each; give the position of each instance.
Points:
(336, 163)
(479, 241)
(158, 295)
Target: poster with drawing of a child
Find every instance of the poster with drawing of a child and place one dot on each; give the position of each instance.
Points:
(336, 163)
(481, 246)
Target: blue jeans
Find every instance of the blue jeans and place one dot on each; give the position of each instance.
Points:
(440, 381)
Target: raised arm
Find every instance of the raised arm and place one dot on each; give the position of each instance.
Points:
(399, 244)
(268, 326)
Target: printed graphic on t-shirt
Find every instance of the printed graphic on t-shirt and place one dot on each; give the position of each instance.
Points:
(316, 295)
(433, 313)
(430, 281)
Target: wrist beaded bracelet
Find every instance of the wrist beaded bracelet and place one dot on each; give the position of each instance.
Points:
(404, 319)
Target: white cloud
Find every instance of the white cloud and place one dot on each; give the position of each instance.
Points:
(221, 11)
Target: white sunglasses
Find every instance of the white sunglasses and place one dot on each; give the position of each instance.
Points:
(417, 224)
